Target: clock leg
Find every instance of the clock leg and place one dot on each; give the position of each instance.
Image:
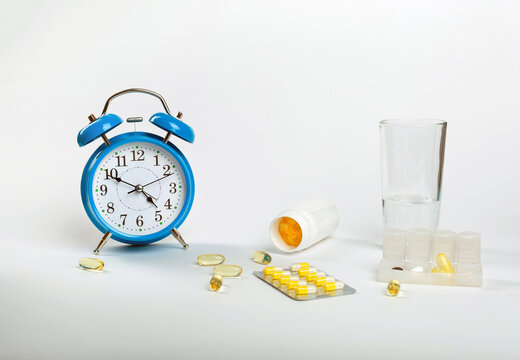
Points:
(102, 242)
(176, 234)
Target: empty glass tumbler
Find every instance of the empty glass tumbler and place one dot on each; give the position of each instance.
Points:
(412, 158)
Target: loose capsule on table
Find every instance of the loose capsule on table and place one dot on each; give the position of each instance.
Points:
(91, 264)
(298, 266)
(262, 257)
(225, 270)
(215, 283)
(271, 269)
(210, 259)
(393, 288)
(332, 286)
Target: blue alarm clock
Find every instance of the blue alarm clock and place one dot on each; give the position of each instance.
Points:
(137, 187)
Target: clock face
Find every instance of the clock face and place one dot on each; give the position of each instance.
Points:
(139, 188)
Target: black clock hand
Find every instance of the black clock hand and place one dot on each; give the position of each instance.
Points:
(151, 182)
(118, 179)
(149, 198)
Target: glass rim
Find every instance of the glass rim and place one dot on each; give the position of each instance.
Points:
(413, 122)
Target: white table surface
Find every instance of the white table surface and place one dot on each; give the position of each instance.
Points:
(154, 302)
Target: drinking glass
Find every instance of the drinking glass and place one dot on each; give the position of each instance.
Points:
(412, 158)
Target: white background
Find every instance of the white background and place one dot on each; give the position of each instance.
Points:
(285, 100)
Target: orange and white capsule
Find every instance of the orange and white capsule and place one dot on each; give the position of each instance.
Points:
(322, 280)
(303, 272)
(298, 266)
(306, 289)
(332, 286)
(293, 284)
(271, 269)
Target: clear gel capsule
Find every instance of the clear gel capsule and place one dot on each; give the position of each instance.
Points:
(393, 288)
(444, 264)
(262, 257)
(91, 264)
(271, 269)
(292, 284)
(210, 259)
(322, 280)
(306, 289)
(303, 272)
(215, 283)
(335, 285)
(298, 266)
(225, 270)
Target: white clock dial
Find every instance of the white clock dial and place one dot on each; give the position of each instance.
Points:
(139, 188)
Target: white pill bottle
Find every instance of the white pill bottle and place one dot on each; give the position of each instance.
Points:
(316, 219)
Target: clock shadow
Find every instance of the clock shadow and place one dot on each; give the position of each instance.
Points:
(124, 249)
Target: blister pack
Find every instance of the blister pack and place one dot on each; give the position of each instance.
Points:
(303, 282)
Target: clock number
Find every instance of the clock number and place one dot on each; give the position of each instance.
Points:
(173, 189)
(168, 204)
(123, 216)
(166, 170)
(156, 160)
(103, 189)
(139, 221)
(138, 155)
(110, 207)
(121, 160)
(158, 216)
(110, 173)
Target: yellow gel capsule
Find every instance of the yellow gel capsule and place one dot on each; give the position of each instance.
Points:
(225, 270)
(210, 259)
(393, 288)
(271, 269)
(91, 264)
(262, 257)
(332, 286)
(298, 266)
(215, 283)
(444, 264)
(436, 270)
(290, 231)
(306, 289)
